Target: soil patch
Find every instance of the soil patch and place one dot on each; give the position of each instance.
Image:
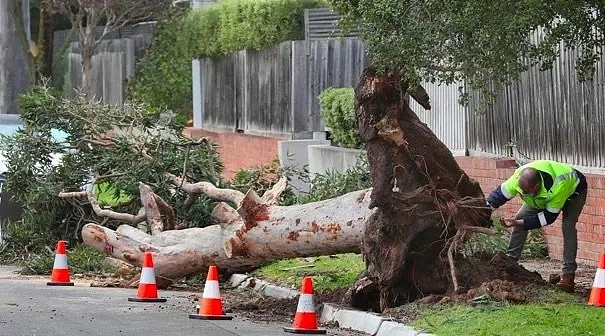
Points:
(253, 305)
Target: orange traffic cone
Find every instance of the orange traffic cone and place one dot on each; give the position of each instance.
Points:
(148, 291)
(60, 274)
(211, 307)
(597, 295)
(305, 320)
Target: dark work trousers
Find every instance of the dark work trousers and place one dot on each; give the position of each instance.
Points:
(571, 211)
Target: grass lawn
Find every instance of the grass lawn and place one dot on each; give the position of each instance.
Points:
(561, 319)
(553, 312)
(328, 272)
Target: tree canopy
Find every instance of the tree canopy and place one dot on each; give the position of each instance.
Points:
(476, 42)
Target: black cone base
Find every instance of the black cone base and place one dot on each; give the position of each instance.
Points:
(146, 300)
(305, 331)
(210, 317)
(59, 283)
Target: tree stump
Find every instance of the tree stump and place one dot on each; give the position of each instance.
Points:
(424, 202)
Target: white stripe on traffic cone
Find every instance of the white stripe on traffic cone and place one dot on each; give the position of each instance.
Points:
(60, 261)
(147, 276)
(211, 290)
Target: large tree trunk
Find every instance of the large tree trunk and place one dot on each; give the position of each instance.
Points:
(258, 232)
(13, 72)
(88, 51)
(46, 38)
(423, 198)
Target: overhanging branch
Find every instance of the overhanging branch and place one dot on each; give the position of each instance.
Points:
(124, 217)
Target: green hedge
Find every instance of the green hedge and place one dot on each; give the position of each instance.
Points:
(163, 76)
(338, 109)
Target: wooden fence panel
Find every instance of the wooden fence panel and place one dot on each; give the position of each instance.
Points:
(218, 98)
(545, 115)
(299, 103)
(268, 89)
(113, 62)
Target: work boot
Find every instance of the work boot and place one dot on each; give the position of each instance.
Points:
(567, 282)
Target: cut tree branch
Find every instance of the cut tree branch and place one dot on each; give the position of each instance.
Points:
(124, 217)
(152, 211)
(167, 211)
(207, 188)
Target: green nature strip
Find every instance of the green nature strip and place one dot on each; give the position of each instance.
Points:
(328, 272)
(567, 319)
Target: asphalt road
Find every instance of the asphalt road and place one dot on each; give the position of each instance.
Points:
(30, 308)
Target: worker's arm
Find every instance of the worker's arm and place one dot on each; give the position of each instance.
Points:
(504, 192)
(543, 218)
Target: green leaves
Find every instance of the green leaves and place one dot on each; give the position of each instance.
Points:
(338, 109)
(479, 42)
(163, 76)
(334, 184)
(114, 146)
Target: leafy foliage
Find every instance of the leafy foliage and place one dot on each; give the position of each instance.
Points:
(484, 44)
(260, 179)
(535, 247)
(323, 186)
(334, 184)
(24, 241)
(66, 145)
(338, 109)
(82, 259)
(163, 76)
(264, 177)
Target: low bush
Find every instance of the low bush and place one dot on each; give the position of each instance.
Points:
(535, 247)
(338, 109)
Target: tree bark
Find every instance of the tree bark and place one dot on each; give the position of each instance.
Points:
(88, 51)
(257, 232)
(45, 39)
(421, 196)
(13, 72)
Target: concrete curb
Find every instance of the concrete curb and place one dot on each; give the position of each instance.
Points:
(243, 281)
(353, 319)
(369, 323)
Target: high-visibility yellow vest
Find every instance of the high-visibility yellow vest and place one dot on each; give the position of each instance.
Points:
(565, 181)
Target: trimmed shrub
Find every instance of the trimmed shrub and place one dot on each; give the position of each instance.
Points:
(338, 109)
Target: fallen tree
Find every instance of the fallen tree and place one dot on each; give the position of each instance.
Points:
(408, 225)
(128, 181)
(258, 231)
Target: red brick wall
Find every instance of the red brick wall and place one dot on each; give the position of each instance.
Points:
(243, 150)
(591, 225)
(239, 150)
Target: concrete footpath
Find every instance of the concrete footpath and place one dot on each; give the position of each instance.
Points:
(370, 323)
